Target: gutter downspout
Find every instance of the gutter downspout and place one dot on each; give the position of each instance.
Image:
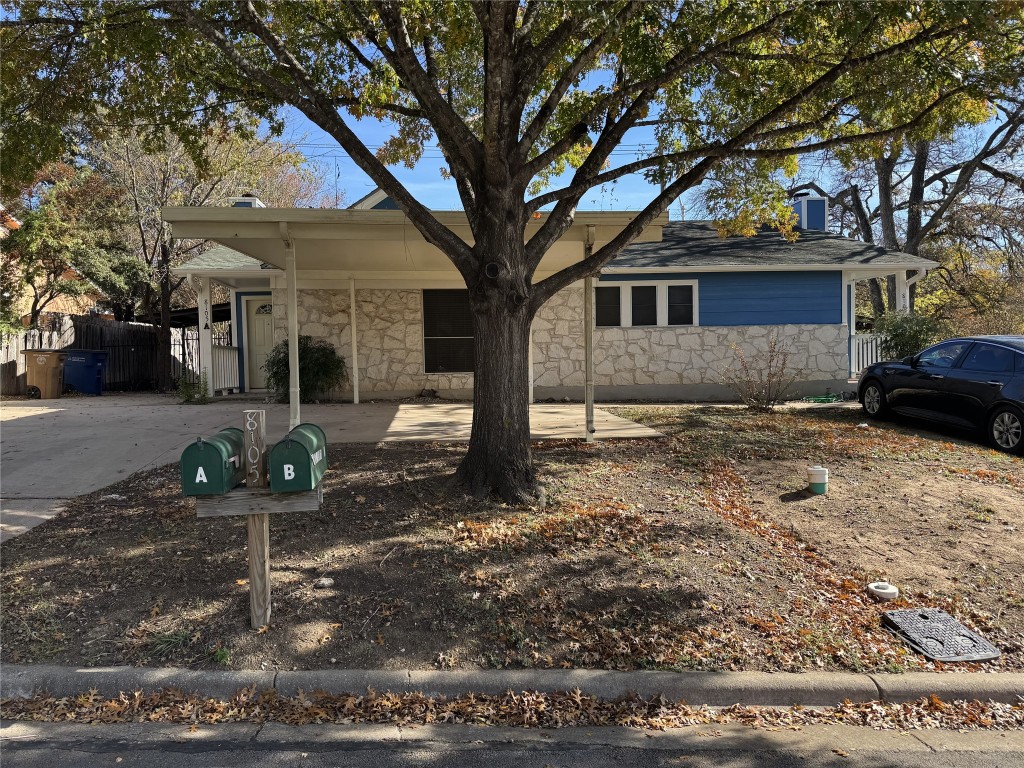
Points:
(292, 301)
(588, 337)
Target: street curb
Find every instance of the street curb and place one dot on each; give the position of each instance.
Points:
(716, 689)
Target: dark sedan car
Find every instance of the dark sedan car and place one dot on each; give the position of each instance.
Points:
(975, 382)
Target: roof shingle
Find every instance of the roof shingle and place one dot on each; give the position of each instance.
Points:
(698, 244)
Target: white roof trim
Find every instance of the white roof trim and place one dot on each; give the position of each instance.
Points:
(213, 272)
(366, 203)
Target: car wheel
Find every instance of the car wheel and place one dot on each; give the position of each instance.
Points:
(1006, 429)
(872, 397)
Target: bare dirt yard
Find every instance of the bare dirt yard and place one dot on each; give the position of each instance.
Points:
(702, 550)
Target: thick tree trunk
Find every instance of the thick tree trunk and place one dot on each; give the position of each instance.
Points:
(499, 459)
(163, 356)
(877, 302)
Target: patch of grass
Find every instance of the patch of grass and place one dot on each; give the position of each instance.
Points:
(166, 645)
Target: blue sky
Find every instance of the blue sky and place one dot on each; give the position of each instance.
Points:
(425, 180)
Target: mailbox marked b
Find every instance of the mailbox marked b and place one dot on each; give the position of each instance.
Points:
(299, 461)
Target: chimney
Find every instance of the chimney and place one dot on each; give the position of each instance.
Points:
(811, 211)
(248, 200)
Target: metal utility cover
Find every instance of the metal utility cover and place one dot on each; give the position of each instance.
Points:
(938, 636)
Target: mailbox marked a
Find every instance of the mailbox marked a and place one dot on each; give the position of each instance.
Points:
(211, 467)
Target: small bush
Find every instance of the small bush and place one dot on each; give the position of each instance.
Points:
(194, 392)
(761, 380)
(905, 333)
(321, 369)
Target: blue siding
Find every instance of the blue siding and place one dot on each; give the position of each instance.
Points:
(759, 298)
(815, 214)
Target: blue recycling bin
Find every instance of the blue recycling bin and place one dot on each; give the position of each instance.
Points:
(83, 370)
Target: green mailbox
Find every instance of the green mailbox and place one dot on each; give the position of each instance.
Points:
(299, 461)
(213, 466)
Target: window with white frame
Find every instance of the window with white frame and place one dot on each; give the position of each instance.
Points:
(650, 303)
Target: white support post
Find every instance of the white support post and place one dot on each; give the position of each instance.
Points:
(206, 334)
(902, 292)
(292, 293)
(529, 359)
(588, 352)
(850, 318)
(355, 343)
(588, 338)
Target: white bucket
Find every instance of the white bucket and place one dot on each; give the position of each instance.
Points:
(817, 478)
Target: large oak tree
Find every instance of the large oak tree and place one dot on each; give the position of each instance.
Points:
(528, 101)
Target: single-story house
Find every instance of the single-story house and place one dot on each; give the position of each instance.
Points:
(668, 311)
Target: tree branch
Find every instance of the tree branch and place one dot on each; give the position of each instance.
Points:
(320, 110)
(549, 286)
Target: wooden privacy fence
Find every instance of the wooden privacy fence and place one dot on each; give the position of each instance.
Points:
(12, 361)
(131, 351)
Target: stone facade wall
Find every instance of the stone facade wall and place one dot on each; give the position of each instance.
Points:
(670, 356)
(390, 325)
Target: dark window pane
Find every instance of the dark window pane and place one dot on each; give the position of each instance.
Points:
(446, 313)
(680, 305)
(447, 332)
(607, 306)
(985, 357)
(645, 305)
(448, 355)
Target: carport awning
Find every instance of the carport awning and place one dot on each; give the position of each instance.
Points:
(188, 317)
(368, 244)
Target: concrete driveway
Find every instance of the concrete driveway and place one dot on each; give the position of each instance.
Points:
(53, 450)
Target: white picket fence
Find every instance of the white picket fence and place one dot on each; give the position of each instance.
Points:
(223, 364)
(225, 368)
(865, 350)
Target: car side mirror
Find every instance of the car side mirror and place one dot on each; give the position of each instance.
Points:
(910, 360)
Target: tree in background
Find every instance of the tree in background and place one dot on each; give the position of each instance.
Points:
(69, 240)
(947, 192)
(528, 101)
(154, 174)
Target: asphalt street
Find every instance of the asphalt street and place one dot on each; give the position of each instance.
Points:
(39, 745)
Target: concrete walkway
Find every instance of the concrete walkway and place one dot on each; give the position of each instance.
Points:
(53, 450)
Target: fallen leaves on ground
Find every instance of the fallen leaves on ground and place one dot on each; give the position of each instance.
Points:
(525, 709)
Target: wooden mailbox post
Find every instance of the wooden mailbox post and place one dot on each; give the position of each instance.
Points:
(255, 444)
(256, 501)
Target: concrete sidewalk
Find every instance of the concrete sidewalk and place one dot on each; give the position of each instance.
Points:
(717, 689)
(53, 450)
